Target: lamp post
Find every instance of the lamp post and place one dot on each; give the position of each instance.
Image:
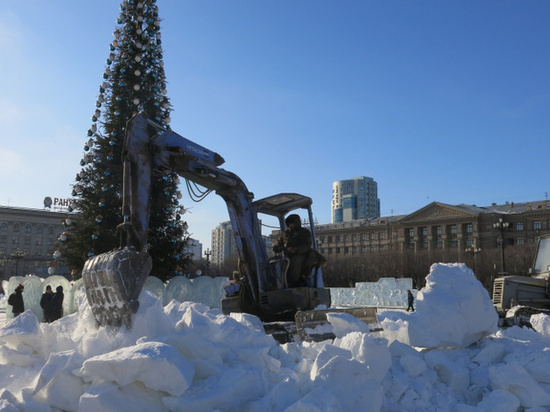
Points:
(473, 250)
(207, 253)
(17, 256)
(502, 227)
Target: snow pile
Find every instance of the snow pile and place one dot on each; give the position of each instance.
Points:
(454, 309)
(188, 357)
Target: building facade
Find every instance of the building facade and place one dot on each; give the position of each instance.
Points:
(27, 241)
(354, 199)
(439, 226)
(223, 243)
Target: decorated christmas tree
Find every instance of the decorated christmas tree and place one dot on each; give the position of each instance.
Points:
(133, 82)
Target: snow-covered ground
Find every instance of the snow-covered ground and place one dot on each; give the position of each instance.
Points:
(449, 355)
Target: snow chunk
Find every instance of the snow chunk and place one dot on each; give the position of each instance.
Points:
(344, 323)
(514, 378)
(157, 365)
(541, 323)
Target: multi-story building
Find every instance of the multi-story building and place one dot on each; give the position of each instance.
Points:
(355, 199)
(439, 226)
(223, 243)
(27, 241)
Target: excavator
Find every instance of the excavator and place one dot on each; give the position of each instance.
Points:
(516, 298)
(114, 280)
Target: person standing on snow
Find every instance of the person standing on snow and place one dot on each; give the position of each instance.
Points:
(411, 300)
(56, 304)
(45, 304)
(295, 243)
(16, 301)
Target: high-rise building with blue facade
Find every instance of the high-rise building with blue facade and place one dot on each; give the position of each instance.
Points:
(354, 199)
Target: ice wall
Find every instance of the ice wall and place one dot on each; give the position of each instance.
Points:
(387, 292)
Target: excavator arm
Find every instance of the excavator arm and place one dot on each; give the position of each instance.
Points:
(114, 280)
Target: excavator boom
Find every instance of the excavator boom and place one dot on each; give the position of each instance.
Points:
(114, 280)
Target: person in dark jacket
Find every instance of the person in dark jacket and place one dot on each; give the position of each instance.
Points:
(295, 243)
(45, 304)
(411, 300)
(16, 301)
(56, 304)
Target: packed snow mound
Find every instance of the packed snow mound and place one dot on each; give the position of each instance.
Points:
(452, 310)
(189, 357)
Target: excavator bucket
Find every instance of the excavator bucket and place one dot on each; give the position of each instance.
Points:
(113, 282)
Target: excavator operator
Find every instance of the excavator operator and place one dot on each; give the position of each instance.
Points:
(295, 243)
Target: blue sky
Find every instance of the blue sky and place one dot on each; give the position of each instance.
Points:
(443, 101)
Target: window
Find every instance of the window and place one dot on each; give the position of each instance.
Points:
(469, 228)
(346, 238)
(382, 235)
(363, 236)
(27, 241)
(39, 229)
(363, 249)
(50, 230)
(537, 225)
(337, 250)
(439, 244)
(3, 240)
(423, 231)
(353, 237)
(28, 228)
(519, 226)
(520, 241)
(452, 229)
(15, 240)
(346, 250)
(330, 251)
(330, 239)
(3, 227)
(373, 236)
(470, 242)
(337, 239)
(425, 244)
(16, 227)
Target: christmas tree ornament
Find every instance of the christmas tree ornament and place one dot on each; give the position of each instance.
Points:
(137, 73)
(51, 270)
(135, 101)
(99, 218)
(68, 221)
(63, 237)
(137, 87)
(95, 235)
(137, 58)
(57, 254)
(101, 202)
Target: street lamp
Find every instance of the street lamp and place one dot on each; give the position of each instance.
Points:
(502, 227)
(207, 253)
(17, 256)
(473, 250)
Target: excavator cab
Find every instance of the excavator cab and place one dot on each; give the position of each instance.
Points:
(281, 302)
